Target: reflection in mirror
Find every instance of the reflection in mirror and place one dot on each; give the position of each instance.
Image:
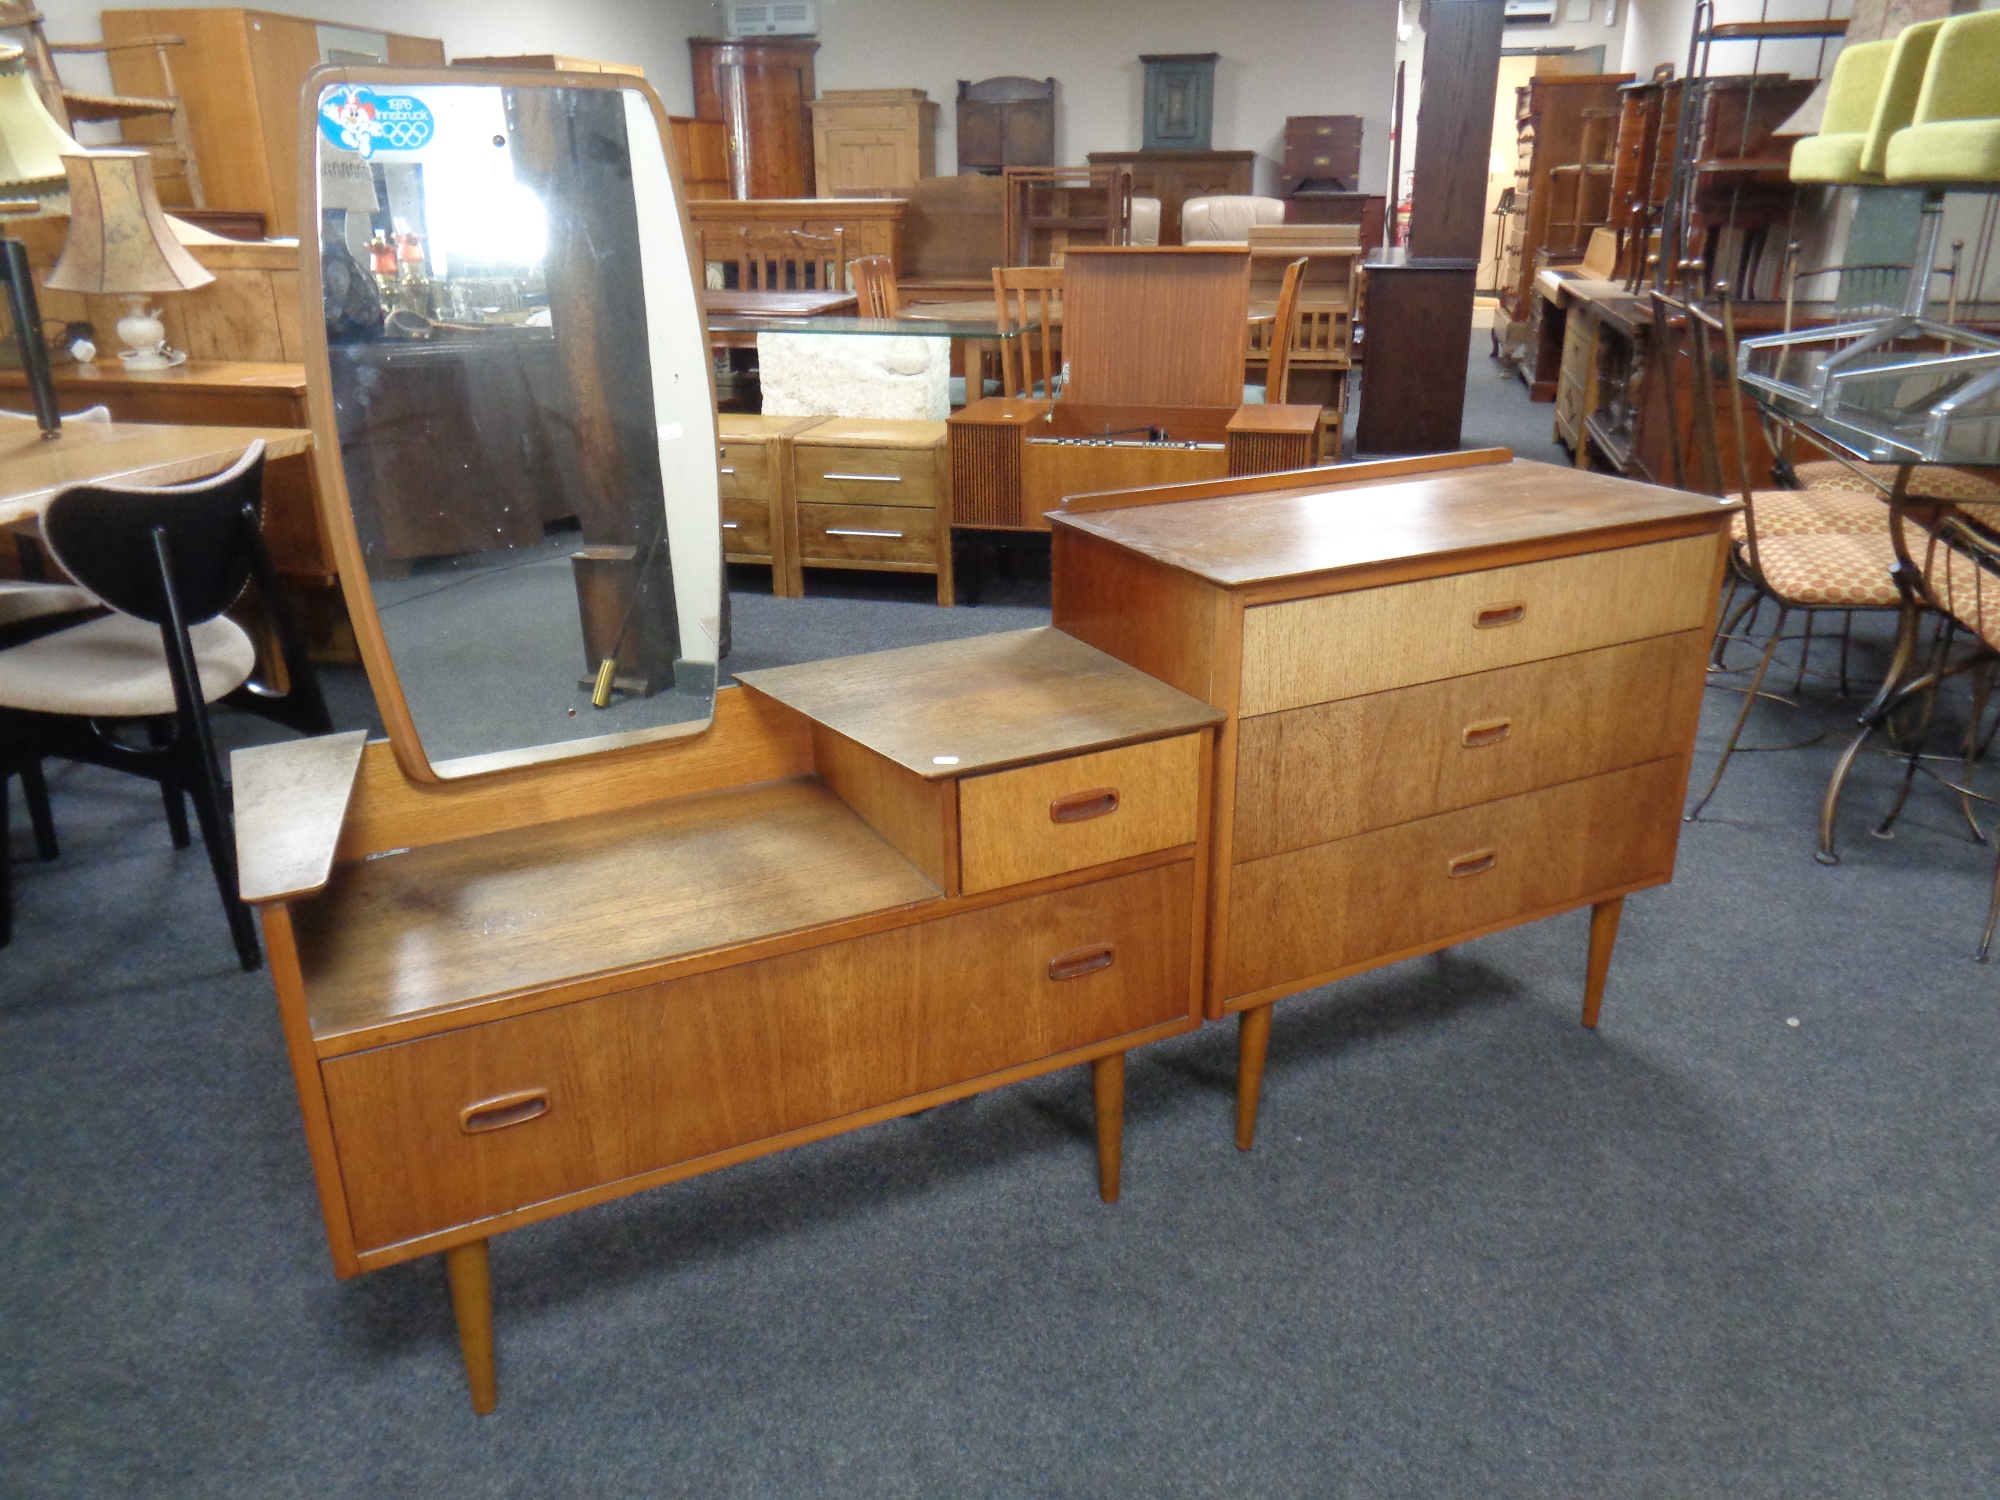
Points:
(519, 376)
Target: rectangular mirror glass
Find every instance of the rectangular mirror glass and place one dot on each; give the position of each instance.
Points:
(516, 381)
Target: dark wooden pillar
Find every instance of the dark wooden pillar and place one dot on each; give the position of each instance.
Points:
(1419, 312)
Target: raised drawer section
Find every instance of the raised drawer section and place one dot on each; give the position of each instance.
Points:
(746, 471)
(1296, 916)
(459, 1127)
(867, 476)
(1370, 640)
(1310, 775)
(746, 527)
(867, 533)
(1063, 815)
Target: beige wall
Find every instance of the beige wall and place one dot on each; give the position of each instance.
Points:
(1279, 58)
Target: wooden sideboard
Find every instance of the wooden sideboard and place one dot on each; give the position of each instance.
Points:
(868, 226)
(1461, 694)
(209, 393)
(873, 885)
(1176, 176)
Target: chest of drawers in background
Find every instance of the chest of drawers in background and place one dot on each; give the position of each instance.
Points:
(875, 494)
(1461, 693)
(755, 456)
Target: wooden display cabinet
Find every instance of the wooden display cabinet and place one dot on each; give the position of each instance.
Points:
(872, 143)
(238, 74)
(1469, 703)
(872, 886)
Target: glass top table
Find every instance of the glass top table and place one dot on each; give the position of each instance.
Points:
(901, 328)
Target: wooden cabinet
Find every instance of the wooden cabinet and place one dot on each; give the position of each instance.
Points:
(1321, 150)
(1176, 176)
(872, 143)
(1006, 122)
(239, 75)
(762, 92)
(872, 886)
(756, 491)
(1472, 704)
(873, 494)
(701, 151)
(1180, 100)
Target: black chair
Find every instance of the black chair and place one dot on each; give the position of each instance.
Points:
(167, 562)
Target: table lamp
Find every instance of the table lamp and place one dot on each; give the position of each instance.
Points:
(32, 185)
(121, 245)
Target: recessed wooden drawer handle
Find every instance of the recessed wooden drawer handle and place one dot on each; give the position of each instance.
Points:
(1493, 616)
(508, 1109)
(871, 478)
(1081, 961)
(1074, 807)
(1486, 732)
(1476, 863)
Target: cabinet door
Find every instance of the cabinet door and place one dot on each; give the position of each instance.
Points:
(1179, 101)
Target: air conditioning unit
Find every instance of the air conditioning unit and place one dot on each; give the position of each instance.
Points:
(778, 18)
(1517, 13)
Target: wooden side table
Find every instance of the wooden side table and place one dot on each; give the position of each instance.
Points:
(758, 523)
(231, 393)
(872, 493)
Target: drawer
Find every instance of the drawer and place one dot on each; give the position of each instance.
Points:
(1369, 640)
(1332, 770)
(1064, 815)
(867, 533)
(492, 1118)
(867, 476)
(746, 471)
(1314, 911)
(746, 527)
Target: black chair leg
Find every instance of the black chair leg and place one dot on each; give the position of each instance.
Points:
(161, 736)
(6, 872)
(35, 792)
(219, 838)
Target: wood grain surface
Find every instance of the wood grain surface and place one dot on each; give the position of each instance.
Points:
(916, 814)
(751, 739)
(643, 1078)
(956, 708)
(291, 799)
(505, 912)
(1336, 769)
(1368, 640)
(33, 470)
(1008, 833)
(1323, 525)
(1297, 915)
(1156, 326)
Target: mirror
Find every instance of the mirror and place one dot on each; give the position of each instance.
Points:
(517, 388)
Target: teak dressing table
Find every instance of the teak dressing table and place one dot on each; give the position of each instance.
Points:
(1460, 692)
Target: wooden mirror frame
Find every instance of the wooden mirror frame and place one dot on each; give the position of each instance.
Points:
(336, 508)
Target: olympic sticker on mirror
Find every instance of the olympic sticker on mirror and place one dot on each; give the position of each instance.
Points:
(356, 118)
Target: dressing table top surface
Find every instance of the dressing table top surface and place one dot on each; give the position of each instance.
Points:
(477, 918)
(957, 708)
(1236, 540)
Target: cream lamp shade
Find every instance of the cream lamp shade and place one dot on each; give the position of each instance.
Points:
(120, 244)
(32, 144)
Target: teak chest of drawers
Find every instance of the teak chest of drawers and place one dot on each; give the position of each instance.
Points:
(755, 460)
(1460, 693)
(873, 885)
(873, 494)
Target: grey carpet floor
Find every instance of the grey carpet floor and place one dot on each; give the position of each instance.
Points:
(1478, 1251)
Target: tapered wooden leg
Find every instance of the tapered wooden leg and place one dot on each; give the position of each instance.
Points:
(472, 1301)
(1107, 1083)
(1253, 1040)
(1603, 934)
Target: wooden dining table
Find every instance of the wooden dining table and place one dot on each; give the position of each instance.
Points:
(34, 469)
